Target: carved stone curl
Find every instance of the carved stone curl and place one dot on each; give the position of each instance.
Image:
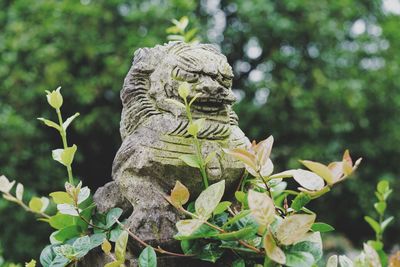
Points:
(154, 135)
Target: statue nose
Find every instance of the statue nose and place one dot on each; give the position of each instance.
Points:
(212, 87)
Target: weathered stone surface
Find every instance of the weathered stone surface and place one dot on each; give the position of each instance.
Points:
(154, 135)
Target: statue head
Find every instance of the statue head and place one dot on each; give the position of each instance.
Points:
(155, 76)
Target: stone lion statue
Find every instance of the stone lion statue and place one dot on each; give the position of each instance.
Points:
(154, 135)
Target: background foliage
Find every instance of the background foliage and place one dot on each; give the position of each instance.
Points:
(320, 76)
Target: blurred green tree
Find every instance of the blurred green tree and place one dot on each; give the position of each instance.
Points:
(320, 76)
(86, 47)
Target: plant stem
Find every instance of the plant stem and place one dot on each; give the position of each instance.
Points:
(197, 147)
(65, 144)
(89, 223)
(25, 207)
(143, 243)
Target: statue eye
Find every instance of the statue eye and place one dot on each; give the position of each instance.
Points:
(183, 75)
(227, 82)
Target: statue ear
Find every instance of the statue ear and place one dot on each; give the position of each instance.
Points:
(146, 59)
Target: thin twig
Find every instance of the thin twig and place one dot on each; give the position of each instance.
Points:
(25, 207)
(143, 243)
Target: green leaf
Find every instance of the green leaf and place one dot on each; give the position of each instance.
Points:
(67, 233)
(374, 224)
(97, 239)
(195, 127)
(377, 245)
(65, 156)
(243, 233)
(115, 233)
(387, 194)
(221, 207)
(380, 207)
(50, 124)
(183, 23)
(81, 246)
(61, 197)
(312, 243)
(60, 221)
(184, 90)
(35, 204)
(120, 246)
(321, 227)
(208, 200)
(240, 196)
(236, 218)
(112, 215)
(383, 186)
(299, 259)
(46, 256)
(202, 231)
(300, 201)
(210, 252)
(148, 258)
(190, 160)
(386, 222)
(239, 263)
(69, 120)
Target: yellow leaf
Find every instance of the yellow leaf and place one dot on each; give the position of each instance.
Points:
(55, 98)
(244, 156)
(61, 197)
(187, 227)
(273, 252)
(208, 200)
(294, 228)
(332, 261)
(179, 194)
(35, 204)
(263, 150)
(106, 246)
(319, 169)
(336, 169)
(372, 256)
(262, 208)
(32, 263)
(308, 180)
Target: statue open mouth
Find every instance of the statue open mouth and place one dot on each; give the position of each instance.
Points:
(212, 104)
